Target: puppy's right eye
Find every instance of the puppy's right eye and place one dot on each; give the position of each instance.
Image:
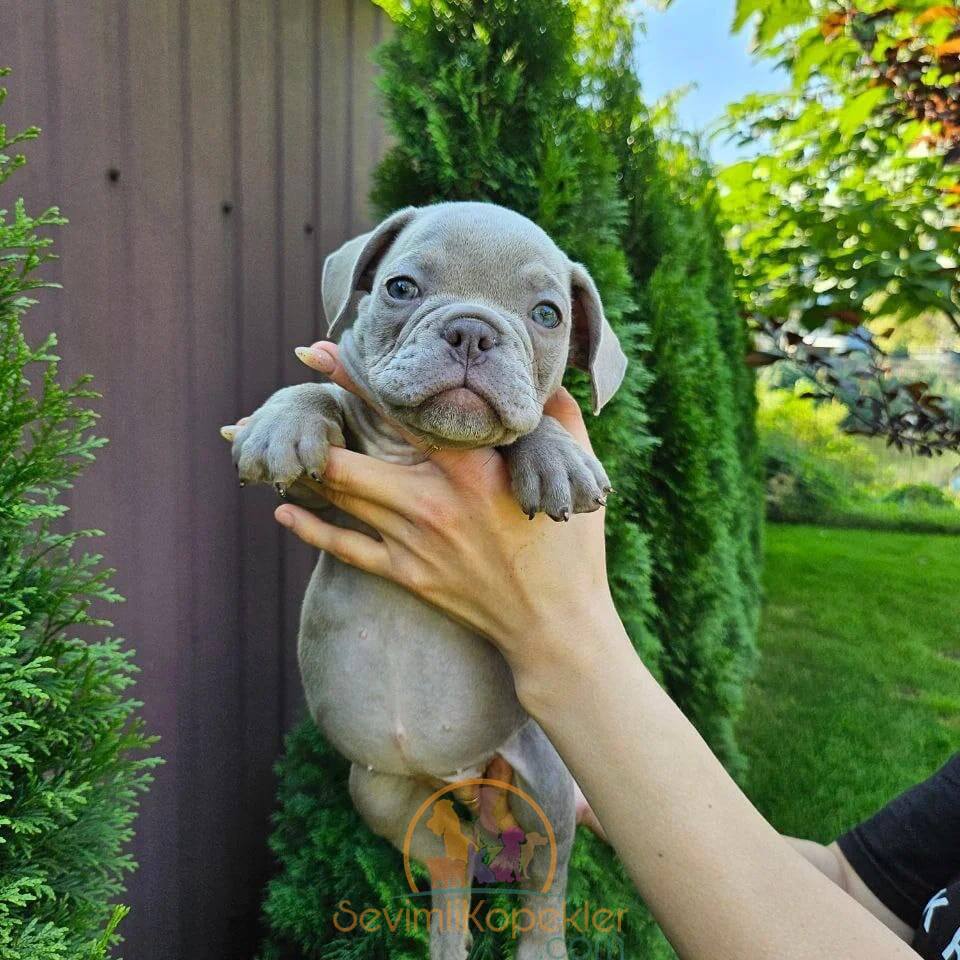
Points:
(403, 288)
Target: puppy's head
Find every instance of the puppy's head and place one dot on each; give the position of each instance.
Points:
(464, 318)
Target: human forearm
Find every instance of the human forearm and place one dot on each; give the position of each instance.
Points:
(831, 862)
(722, 882)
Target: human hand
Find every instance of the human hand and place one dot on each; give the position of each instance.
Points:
(451, 532)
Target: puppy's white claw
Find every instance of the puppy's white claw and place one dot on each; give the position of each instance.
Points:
(228, 433)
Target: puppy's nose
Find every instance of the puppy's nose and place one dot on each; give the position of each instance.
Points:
(470, 337)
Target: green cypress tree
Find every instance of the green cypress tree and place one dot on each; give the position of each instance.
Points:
(483, 102)
(70, 763)
(700, 515)
(534, 105)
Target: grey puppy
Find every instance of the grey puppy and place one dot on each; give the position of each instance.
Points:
(464, 316)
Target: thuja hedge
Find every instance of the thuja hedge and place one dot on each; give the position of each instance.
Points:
(534, 104)
(71, 745)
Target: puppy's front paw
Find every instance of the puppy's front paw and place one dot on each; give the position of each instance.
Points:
(551, 473)
(281, 441)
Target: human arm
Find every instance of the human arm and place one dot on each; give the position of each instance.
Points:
(831, 862)
(721, 881)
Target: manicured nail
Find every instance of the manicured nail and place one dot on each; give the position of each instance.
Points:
(315, 359)
(284, 518)
(229, 432)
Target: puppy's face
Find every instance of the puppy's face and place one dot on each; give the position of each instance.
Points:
(469, 318)
(467, 326)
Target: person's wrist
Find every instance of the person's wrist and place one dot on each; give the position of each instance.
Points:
(565, 649)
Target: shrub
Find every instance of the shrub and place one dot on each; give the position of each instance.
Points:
(913, 494)
(516, 103)
(69, 776)
(815, 473)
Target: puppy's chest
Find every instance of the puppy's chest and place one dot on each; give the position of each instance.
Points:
(393, 682)
(366, 432)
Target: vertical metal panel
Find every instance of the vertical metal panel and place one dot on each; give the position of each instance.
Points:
(211, 754)
(28, 46)
(298, 280)
(260, 366)
(334, 143)
(365, 132)
(242, 134)
(150, 389)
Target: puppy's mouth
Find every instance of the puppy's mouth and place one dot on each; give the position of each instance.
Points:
(464, 398)
(458, 416)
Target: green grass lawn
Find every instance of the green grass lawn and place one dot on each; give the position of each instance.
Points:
(858, 692)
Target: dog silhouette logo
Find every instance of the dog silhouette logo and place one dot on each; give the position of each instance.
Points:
(488, 848)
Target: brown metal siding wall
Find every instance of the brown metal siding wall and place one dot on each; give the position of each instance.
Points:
(242, 134)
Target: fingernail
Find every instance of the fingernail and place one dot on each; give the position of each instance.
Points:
(317, 359)
(229, 432)
(284, 518)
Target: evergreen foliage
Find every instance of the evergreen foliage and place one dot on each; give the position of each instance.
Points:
(501, 122)
(704, 508)
(69, 776)
(534, 105)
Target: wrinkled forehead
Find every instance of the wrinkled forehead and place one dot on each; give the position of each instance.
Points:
(479, 250)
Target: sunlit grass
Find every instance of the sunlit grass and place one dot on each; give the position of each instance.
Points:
(858, 695)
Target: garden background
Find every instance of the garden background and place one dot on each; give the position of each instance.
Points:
(208, 155)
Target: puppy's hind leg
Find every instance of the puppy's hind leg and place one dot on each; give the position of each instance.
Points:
(388, 803)
(542, 775)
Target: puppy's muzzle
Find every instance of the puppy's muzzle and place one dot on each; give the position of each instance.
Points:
(470, 338)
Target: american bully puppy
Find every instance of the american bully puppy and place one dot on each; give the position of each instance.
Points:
(462, 318)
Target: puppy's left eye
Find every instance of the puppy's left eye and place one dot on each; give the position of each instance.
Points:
(403, 288)
(546, 314)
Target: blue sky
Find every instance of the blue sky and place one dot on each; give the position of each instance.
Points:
(691, 43)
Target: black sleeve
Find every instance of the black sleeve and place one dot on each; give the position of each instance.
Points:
(911, 848)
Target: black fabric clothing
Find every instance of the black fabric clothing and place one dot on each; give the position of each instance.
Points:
(908, 854)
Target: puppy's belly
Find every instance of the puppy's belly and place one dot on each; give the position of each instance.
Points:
(394, 684)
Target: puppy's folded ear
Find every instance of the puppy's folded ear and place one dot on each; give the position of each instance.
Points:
(350, 269)
(594, 346)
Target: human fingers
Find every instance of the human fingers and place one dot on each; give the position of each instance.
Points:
(350, 546)
(564, 409)
(324, 357)
(230, 430)
(355, 476)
